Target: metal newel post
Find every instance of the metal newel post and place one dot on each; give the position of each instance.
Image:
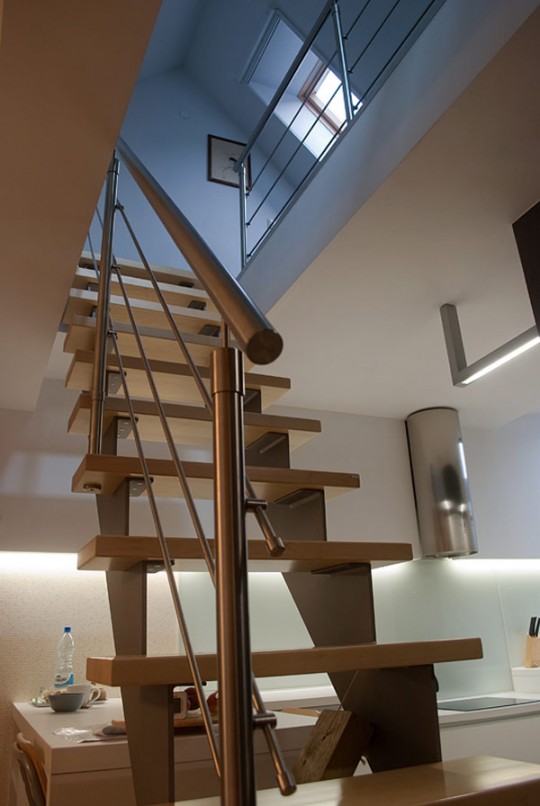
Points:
(102, 315)
(236, 714)
(242, 178)
(336, 17)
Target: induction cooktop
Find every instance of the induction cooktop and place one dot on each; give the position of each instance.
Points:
(481, 703)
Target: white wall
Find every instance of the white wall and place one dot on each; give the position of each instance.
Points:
(39, 595)
(167, 126)
(504, 469)
(427, 599)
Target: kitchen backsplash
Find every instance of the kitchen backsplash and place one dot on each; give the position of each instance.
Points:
(420, 600)
(491, 599)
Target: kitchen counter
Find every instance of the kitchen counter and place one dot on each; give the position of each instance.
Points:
(508, 732)
(448, 717)
(100, 772)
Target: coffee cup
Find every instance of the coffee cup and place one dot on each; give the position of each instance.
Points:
(91, 693)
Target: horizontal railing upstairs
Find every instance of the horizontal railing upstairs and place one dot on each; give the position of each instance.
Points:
(339, 67)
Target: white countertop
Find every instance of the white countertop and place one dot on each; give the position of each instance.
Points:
(491, 714)
(41, 725)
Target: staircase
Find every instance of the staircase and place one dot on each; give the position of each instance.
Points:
(390, 688)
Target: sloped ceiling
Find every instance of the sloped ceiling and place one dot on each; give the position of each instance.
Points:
(361, 325)
(67, 71)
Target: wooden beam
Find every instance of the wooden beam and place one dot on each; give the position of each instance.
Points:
(334, 749)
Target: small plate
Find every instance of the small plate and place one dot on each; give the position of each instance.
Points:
(39, 702)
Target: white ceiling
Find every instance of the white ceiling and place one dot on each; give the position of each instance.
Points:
(361, 325)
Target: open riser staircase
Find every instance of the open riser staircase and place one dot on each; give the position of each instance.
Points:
(389, 689)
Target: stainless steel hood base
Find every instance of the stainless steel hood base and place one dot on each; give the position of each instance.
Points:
(443, 503)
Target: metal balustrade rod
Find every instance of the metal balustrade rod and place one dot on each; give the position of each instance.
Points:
(375, 34)
(102, 316)
(178, 466)
(253, 332)
(269, 111)
(273, 541)
(396, 51)
(190, 654)
(234, 650)
(243, 214)
(285, 780)
(342, 56)
(205, 394)
(301, 142)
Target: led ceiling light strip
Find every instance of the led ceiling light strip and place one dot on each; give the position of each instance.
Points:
(464, 374)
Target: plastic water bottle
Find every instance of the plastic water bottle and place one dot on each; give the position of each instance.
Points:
(64, 660)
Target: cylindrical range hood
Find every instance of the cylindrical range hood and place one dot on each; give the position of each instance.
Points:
(441, 487)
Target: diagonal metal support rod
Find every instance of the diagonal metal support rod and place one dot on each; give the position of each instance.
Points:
(273, 541)
(194, 669)
(102, 315)
(285, 780)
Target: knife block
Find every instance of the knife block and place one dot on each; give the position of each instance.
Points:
(532, 652)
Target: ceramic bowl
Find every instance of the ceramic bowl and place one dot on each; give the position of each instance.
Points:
(70, 701)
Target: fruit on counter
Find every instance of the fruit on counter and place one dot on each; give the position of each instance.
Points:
(193, 699)
(213, 702)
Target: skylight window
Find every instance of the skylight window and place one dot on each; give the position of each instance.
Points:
(312, 106)
(323, 94)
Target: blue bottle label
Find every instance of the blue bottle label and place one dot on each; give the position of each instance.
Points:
(60, 682)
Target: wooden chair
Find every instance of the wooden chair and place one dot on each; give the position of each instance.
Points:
(32, 771)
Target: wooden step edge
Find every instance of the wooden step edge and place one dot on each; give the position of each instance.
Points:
(85, 275)
(119, 553)
(118, 407)
(87, 325)
(272, 483)
(83, 302)
(482, 780)
(254, 380)
(135, 268)
(171, 670)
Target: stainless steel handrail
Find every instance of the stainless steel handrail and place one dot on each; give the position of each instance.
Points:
(254, 333)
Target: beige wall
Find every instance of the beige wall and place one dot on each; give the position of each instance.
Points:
(36, 601)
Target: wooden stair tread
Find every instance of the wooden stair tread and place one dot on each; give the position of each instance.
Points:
(158, 344)
(119, 553)
(134, 268)
(137, 670)
(173, 380)
(190, 425)
(270, 483)
(482, 780)
(149, 313)
(138, 288)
